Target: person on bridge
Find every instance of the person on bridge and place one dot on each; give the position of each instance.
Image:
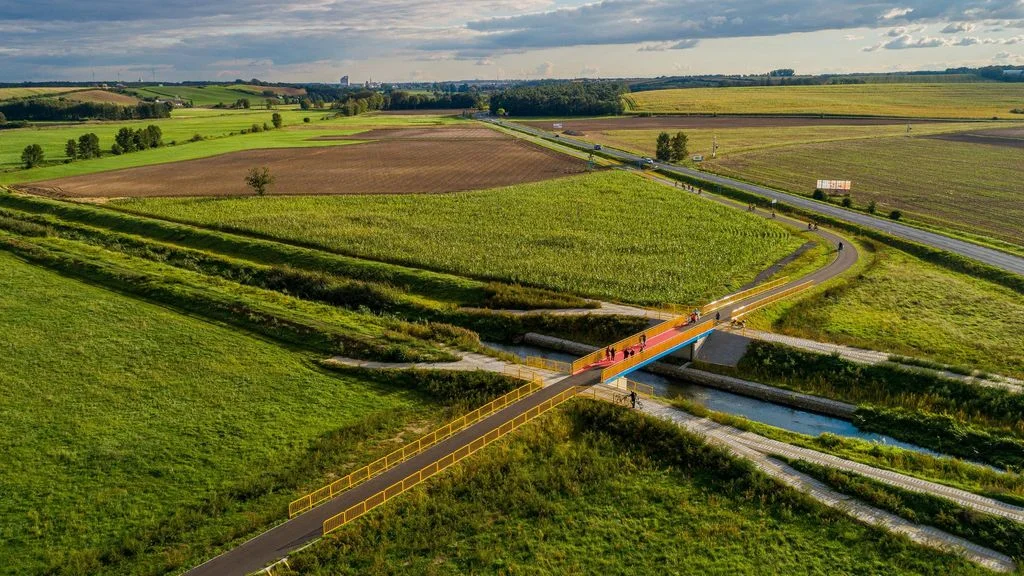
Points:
(643, 339)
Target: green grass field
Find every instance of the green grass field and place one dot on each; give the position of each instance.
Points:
(981, 100)
(117, 413)
(903, 305)
(565, 497)
(970, 188)
(608, 234)
(199, 95)
(216, 125)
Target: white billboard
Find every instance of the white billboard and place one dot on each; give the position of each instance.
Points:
(838, 185)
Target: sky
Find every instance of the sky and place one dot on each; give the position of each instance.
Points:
(405, 40)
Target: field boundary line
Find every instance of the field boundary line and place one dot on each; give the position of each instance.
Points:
(409, 482)
(316, 497)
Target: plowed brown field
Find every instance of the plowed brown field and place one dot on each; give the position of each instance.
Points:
(390, 166)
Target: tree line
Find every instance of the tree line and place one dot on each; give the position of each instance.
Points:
(561, 99)
(671, 148)
(353, 102)
(66, 110)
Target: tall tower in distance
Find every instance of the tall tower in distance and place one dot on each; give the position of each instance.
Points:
(344, 81)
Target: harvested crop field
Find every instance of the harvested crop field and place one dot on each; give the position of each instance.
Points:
(1011, 137)
(102, 97)
(682, 122)
(424, 112)
(421, 134)
(381, 167)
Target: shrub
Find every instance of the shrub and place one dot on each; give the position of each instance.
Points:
(872, 208)
(847, 202)
(259, 179)
(819, 194)
(895, 215)
(277, 120)
(306, 119)
(197, 137)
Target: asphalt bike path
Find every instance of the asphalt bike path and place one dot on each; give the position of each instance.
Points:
(295, 533)
(993, 257)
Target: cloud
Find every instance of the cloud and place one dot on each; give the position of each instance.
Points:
(589, 71)
(954, 27)
(663, 46)
(545, 70)
(852, 37)
(484, 62)
(896, 13)
(903, 30)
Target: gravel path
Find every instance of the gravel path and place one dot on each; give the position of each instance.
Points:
(759, 450)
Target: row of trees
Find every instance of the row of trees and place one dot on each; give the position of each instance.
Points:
(671, 148)
(43, 109)
(87, 146)
(561, 99)
(130, 140)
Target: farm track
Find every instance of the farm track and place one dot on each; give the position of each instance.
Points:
(990, 256)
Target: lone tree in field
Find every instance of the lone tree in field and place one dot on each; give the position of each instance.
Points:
(32, 155)
(276, 119)
(71, 149)
(663, 152)
(259, 179)
(679, 142)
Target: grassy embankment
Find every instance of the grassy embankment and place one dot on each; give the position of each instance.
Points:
(976, 101)
(1005, 486)
(955, 417)
(409, 301)
(907, 306)
(593, 488)
(608, 235)
(138, 439)
(997, 533)
(202, 95)
(12, 93)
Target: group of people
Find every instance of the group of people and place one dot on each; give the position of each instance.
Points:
(610, 352)
(687, 187)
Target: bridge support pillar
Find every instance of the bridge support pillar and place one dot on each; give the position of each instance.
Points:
(685, 354)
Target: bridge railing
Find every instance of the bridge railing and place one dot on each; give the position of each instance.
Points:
(742, 295)
(742, 311)
(547, 364)
(407, 483)
(380, 465)
(655, 350)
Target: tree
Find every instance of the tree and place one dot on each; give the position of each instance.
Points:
(305, 104)
(895, 214)
(871, 207)
(71, 149)
(679, 142)
(88, 146)
(125, 140)
(154, 136)
(32, 155)
(259, 179)
(276, 119)
(270, 103)
(847, 202)
(664, 147)
(819, 194)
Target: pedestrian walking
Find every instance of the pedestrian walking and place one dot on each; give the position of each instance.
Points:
(840, 246)
(613, 353)
(632, 398)
(718, 317)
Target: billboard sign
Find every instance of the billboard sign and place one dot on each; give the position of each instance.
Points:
(836, 185)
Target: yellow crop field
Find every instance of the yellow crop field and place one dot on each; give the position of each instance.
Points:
(982, 100)
(11, 93)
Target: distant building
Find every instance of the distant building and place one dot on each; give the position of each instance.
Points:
(344, 81)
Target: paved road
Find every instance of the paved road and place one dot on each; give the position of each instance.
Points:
(996, 258)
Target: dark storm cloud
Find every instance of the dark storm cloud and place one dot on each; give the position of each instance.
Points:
(635, 21)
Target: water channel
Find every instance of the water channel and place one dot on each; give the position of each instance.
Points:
(792, 419)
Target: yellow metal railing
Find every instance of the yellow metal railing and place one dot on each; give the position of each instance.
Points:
(742, 295)
(339, 520)
(641, 389)
(522, 372)
(744, 310)
(321, 495)
(546, 364)
(655, 350)
(629, 342)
